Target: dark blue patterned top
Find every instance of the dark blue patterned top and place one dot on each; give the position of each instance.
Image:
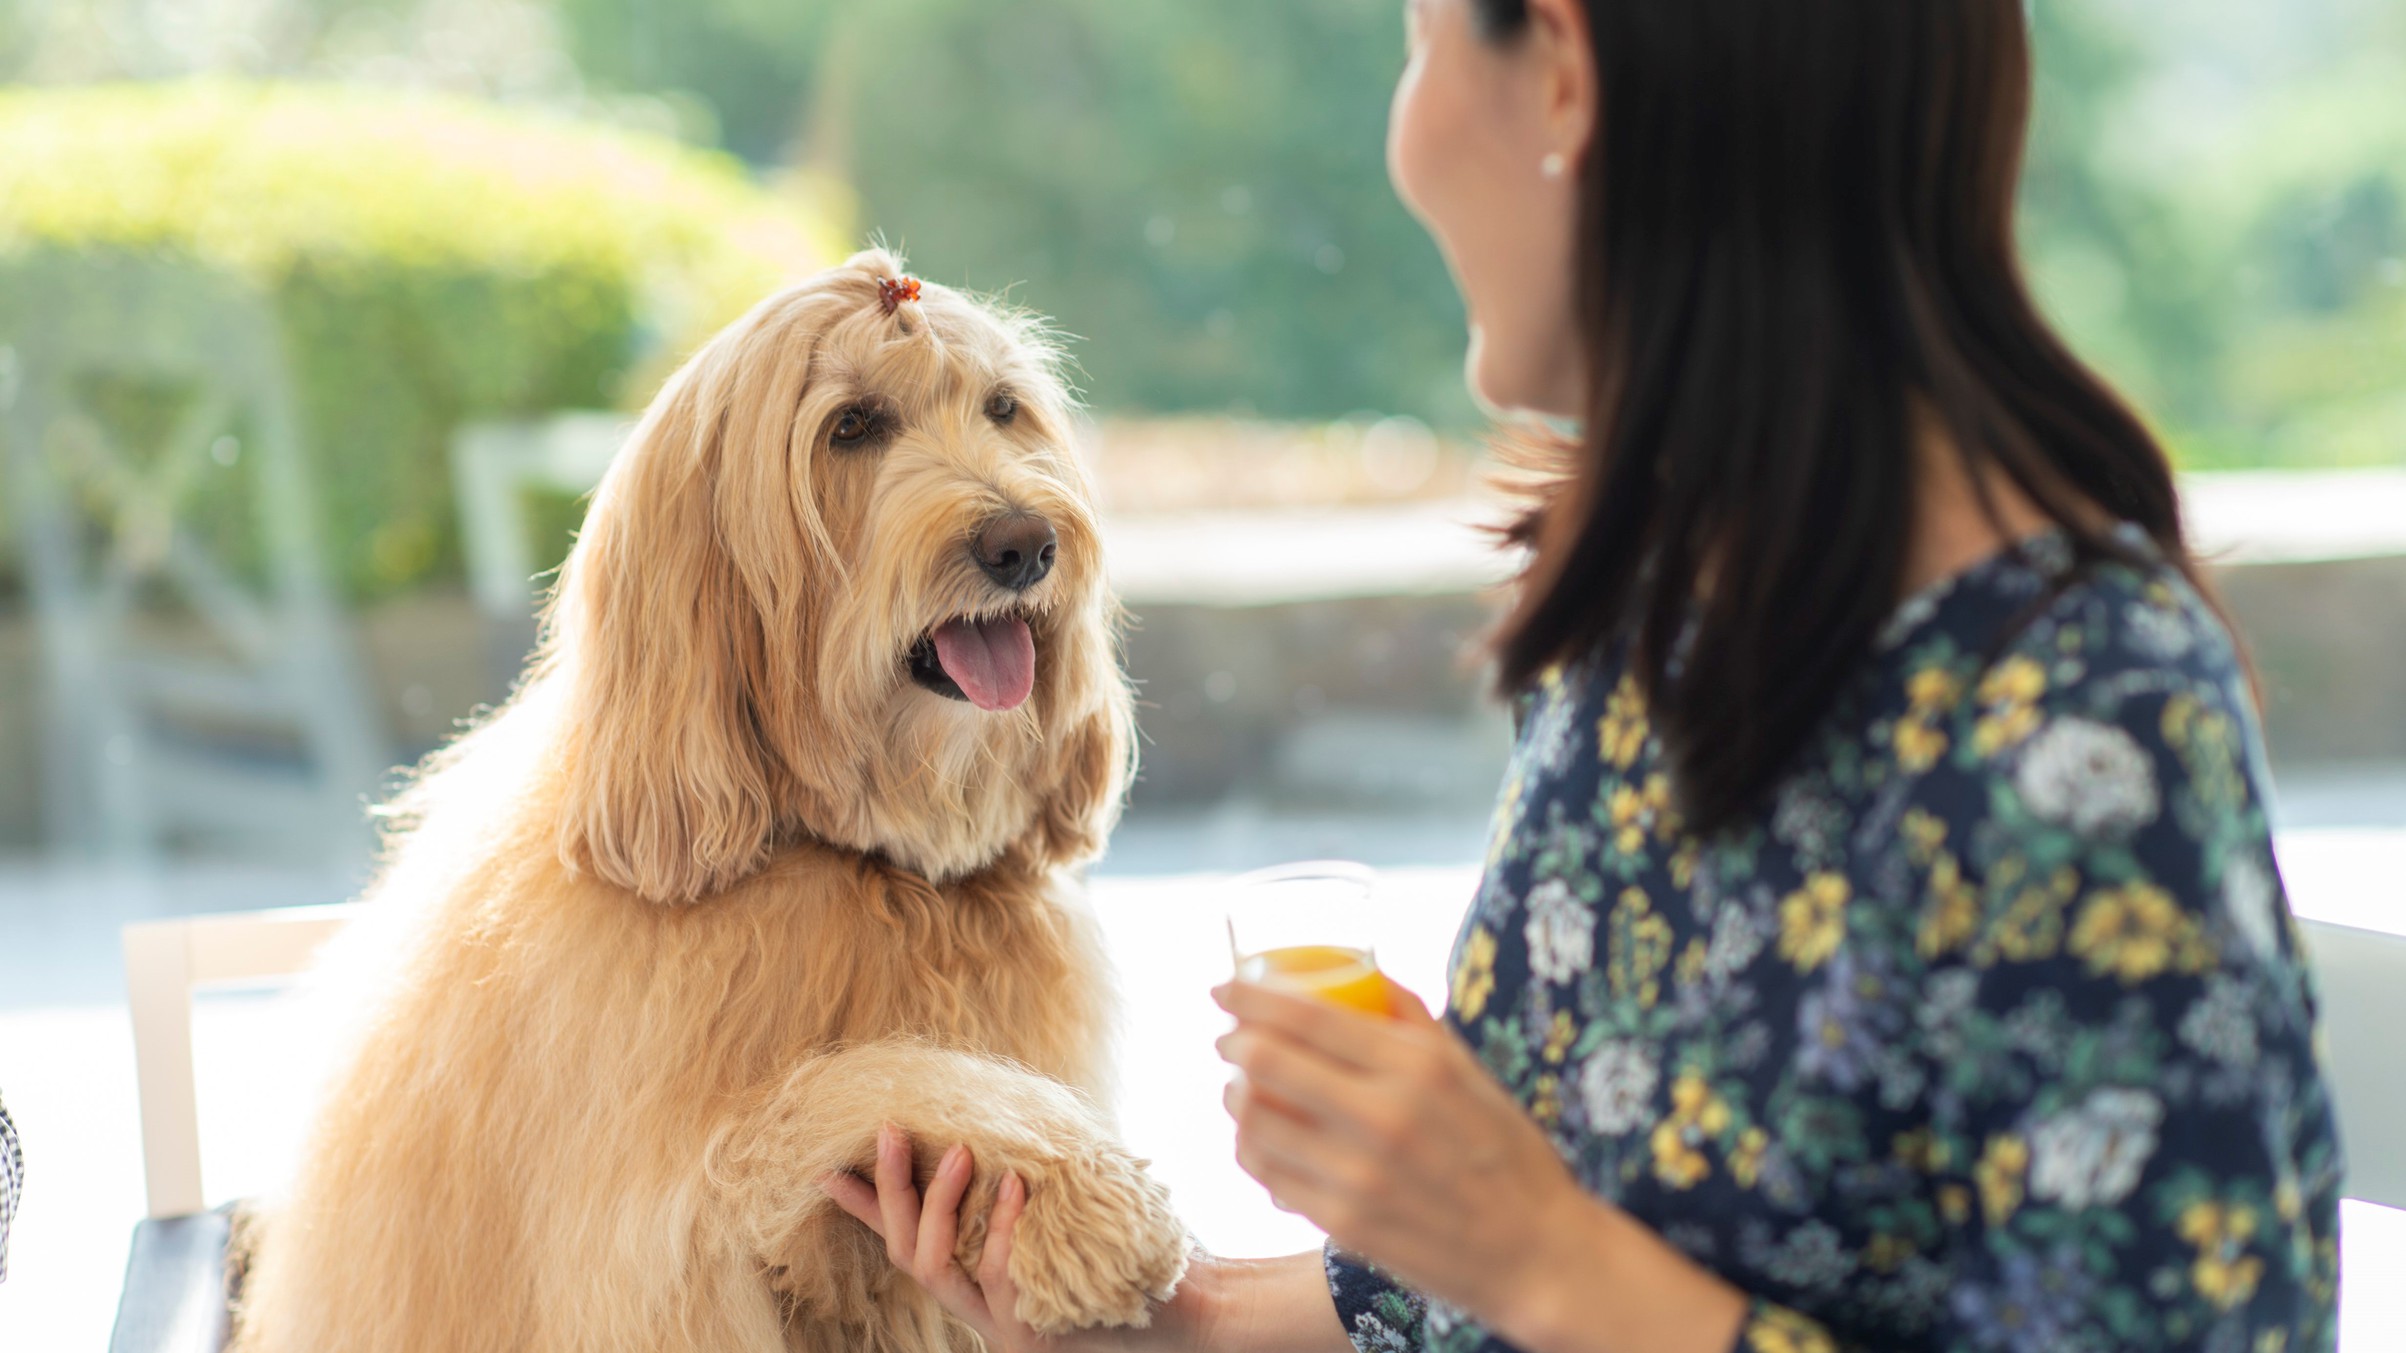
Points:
(12, 1178)
(1991, 1032)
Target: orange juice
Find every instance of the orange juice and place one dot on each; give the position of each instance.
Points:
(1347, 977)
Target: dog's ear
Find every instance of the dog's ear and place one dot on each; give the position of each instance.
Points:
(1095, 760)
(666, 781)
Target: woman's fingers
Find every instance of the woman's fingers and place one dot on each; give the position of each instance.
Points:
(1343, 1035)
(939, 1217)
(856, 1197)
(994, 1266)
(1289, 1074)
(897, 1196)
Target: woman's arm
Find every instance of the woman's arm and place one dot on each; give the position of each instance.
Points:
(1392, 1137)
(1222, 1306)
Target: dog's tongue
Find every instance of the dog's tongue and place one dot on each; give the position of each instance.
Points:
(992, 661)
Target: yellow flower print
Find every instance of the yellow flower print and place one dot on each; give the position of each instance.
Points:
(1886, 1253)
(1697, 1116)
(1474, 976)
(1507, 818)
(2137, 931)
(1545, 1100)
(1683, 862)
(1641, 945)
(1657, 798)
(1621, 734)
(1558, 1038)
(1924, 834)
(1954, 1203)
(1919, 744)
(1812, 920)
(1776, 1329)
(2031, 928)
(2009, 702)
(1628, 809)
(2224, 1274)
(2272, 1341)
(1952, 914)
(1692, 962)
(1922, 1150)
(1999, 1176)
(1746, 1162)
(2016, 681)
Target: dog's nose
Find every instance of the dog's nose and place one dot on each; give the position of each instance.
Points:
(1016, 550)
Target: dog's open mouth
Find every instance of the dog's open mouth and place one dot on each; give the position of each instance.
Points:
(991, 663)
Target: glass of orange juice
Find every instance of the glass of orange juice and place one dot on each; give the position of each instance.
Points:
(1306, 927)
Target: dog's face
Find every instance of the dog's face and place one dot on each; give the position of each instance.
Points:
(844, 584)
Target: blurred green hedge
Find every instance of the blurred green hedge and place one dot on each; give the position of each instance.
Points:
(432, 260)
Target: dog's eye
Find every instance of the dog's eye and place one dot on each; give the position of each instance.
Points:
(1002, 406)
(852, 427)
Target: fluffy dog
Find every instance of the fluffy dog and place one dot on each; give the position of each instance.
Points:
(771, 847)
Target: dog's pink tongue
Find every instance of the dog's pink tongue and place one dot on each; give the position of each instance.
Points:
(992, 661)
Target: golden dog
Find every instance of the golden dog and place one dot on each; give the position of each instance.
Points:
(772, 846)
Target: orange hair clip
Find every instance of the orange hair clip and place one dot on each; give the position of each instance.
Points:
(893, 291)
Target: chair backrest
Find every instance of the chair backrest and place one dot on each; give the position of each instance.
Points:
(149, 430)
(164, 962)
(2362, 978)
(2362, 975)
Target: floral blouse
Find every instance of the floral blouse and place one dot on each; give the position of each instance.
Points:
(1991, 1033)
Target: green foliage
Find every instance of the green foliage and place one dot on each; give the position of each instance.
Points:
(2213, 209)
(1199, 191)
(430, 260)
(2222, 228)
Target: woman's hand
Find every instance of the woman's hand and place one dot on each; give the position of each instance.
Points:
(1389, 1135)
(920, 1235)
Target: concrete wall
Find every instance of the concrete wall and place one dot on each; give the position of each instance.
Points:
(1360, 702)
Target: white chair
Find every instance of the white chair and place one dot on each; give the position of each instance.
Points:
(175, 1283)
(174, 1300)
(2362, 976)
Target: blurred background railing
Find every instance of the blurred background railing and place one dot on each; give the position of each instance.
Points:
(317, 317)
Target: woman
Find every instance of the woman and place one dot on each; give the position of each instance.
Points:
(12, 1178)
(1881, 945)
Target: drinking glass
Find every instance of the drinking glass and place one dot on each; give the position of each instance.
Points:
(1306, 927)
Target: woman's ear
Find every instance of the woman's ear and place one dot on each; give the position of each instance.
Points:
(666, 781)
(1563, 49)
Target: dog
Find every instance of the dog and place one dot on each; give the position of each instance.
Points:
(775, 843)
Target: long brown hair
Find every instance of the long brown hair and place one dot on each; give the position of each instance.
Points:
(1796, 231)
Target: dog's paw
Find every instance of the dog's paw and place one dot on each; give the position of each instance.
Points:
(1097, 1245)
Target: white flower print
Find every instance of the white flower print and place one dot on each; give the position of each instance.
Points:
(2093, 1155)
(2092, 777)
(1617, 1085)
(1553, 733)
(2250, 896)
(1734, 944)
(1561, 932)
(2157, 631)
(1373, 1335)
(2220, 1025)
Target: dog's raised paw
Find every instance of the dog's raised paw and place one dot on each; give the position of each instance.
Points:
(1098, 1245)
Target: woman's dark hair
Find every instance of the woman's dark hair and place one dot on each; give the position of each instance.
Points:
(1797, 257)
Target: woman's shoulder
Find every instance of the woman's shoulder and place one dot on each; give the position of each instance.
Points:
(2045, 648)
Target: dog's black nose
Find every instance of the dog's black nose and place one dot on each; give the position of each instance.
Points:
(1016, 550)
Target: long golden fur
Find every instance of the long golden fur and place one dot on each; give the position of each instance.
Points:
(722, 889)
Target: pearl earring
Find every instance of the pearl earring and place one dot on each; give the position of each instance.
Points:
(1552, 165)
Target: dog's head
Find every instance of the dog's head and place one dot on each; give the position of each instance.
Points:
(843, 584)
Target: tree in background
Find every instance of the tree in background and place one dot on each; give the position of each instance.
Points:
(2215, 209)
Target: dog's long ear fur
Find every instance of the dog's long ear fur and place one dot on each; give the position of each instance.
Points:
(666, 783)
(1096, 761)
